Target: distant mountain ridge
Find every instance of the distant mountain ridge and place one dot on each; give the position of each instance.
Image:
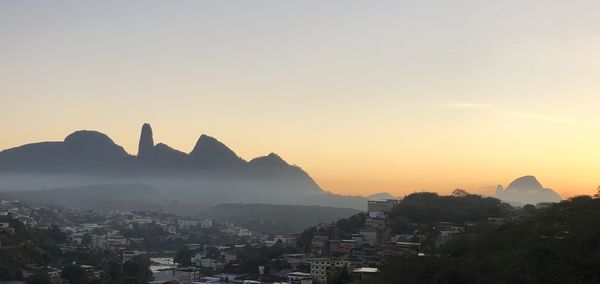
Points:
(210, 174)
(94, 152)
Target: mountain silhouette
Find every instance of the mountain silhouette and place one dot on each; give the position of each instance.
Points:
(81, 151)
(211, 173)
(91, 150)
(212, 154)
(526, 190)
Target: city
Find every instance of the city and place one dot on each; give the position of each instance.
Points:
(153, 247)
(299, 142)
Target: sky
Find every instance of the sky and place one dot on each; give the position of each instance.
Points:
(366, 96)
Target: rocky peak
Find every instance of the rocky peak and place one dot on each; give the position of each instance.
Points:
(146, 145)
(271, 160)
(525, 183)
(210, 151)
(93, 143)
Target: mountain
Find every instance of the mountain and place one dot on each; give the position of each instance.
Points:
(211, 173)
(146, 145)
(526, 190)
(82, 151)
(212, 154)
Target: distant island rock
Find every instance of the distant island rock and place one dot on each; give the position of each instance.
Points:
(526, 190)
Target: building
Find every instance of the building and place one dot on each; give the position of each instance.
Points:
(296, 259)
(449, 227)
(4, 226)
(99, 241)
(342, 247)
(395, 249)
(183, 224)
(186, 275)
(128, 255)
(321, 267)
(375, 223)
(377, 215)
(366, 275)
(496, 221)
(369, 236)
(206, 223)
(448, 231)
(319, 242)
(384, 206)
(299, 278)
(286, 240)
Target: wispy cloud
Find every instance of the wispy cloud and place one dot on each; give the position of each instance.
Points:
(506, 112)
(459, 105)
(542, 117)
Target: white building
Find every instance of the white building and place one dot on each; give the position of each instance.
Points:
(206, 223)
(187, 223)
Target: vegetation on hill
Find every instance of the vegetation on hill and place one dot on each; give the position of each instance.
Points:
(460, 207)
(556, 244)
(275, 219)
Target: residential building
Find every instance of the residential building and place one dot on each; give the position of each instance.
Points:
(206, 223)
(375, 223)
(341, 247)
(321, 267)
(369, 236)
(384, 206)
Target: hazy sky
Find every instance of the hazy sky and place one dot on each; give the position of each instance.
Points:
(366, 96)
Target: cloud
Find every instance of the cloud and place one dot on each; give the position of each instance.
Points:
(460, 105)
(506, 112)
(541, 117)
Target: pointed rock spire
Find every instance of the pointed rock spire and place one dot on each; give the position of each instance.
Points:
(146, 146)
(211, 152)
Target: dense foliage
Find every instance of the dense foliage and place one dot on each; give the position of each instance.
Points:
(460, 207)
(277, 219)
(557, 244)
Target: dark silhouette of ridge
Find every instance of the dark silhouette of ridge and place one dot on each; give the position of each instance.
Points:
(211, 153)
(94, 152)
(271, 161)
(80, 151)
(210, 174)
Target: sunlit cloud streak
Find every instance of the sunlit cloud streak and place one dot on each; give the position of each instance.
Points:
(541, 117)
(465, 105)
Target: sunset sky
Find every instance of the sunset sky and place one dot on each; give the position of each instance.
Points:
(366, 96)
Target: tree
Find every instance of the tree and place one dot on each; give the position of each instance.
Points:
(137, 270)
(555, 244)
(86, 239)
(459, 192)
(183, 257)
(401, 225)
(74, 274)
(40, 277)
(339, 276)
(597, 194)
